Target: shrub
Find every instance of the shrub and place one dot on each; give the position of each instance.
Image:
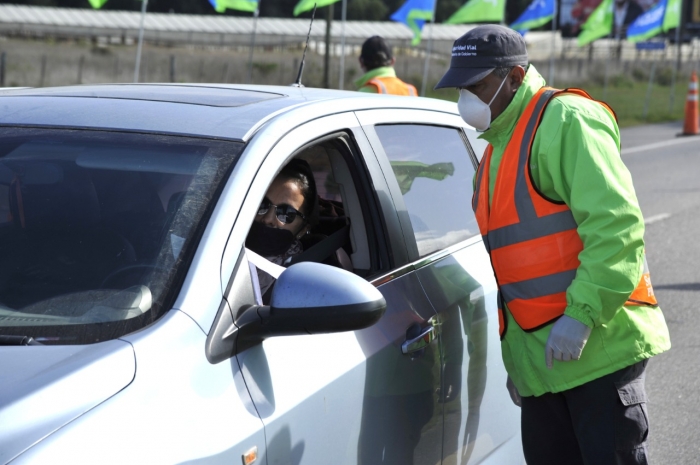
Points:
(664, 76)
(621, 80)
(638, 74)
(264, 68)
(100, 50)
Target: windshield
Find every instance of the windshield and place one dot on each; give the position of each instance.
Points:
(97, 229)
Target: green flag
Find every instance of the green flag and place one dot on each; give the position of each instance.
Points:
(599, 23)
(308, 5)
(407, 171)
(477, 11)
(672, 17)
(241, 5)
(97, 4)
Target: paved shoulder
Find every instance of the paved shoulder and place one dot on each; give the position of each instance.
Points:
(649, 134)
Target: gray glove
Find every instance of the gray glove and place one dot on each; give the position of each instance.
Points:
(566, 340)
(513, 391)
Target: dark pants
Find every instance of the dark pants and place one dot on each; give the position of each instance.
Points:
(603, 422)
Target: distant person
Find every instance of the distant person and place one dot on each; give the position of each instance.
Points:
(377, 62)
(625, 13)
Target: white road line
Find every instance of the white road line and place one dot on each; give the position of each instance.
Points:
(656, 218)
(657, 145)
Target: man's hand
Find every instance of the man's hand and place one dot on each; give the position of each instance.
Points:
(513, 391)
(566, 340)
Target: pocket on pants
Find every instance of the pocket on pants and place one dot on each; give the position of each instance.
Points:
(631, 420)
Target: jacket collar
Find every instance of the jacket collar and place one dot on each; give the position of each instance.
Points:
(502, 127)
(384, 71)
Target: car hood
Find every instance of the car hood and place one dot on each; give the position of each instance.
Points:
(44, 387)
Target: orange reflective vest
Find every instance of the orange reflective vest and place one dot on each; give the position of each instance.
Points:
(532, 240)
(392, 85)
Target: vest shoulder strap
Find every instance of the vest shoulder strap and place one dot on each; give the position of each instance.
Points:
(378, 85)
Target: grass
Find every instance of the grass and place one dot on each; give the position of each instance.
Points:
(629, 101)
(626, 95)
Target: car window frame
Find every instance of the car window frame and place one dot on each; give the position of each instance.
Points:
(372, 118)
(370, 184)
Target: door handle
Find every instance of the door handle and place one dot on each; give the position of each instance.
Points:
(426, 336)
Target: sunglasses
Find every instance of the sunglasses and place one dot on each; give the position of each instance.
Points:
(285, 213)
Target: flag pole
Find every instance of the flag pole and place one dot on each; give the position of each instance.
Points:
(607, 68)
(252, 42)
(554, 41)
(137, 68)
(676, 68)
(343, 15)
(426, 65)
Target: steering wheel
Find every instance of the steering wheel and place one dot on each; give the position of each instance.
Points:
(129, 275)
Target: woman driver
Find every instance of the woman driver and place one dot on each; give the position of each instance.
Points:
(285, 215)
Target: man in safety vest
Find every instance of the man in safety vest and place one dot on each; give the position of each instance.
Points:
(560, 219)
(377, 62)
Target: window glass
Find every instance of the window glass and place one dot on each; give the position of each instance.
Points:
(435, 175)
(99, 227)
(4, 204)
(318, 159)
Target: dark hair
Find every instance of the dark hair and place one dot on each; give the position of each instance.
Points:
(376, 53)
(502, 71)
(299, 171)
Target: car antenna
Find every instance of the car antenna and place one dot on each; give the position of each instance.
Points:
(298, 83)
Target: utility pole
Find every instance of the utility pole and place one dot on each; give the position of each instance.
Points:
(327, 57)
(137, 67)
(252, 43)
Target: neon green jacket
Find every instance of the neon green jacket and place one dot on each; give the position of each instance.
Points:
(384, 71)
(576, 159)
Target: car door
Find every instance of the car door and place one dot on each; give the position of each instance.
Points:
(351, 397)
(429, 165)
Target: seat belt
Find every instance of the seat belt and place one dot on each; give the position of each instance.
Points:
(322, 250)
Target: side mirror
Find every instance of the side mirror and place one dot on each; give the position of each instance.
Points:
(308, 298)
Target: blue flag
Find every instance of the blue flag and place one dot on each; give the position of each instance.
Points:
(647, 25)
(539, 12)
(414, 14)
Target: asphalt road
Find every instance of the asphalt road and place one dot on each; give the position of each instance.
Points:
(666, 173)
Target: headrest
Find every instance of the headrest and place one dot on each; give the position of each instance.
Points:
(51, 196)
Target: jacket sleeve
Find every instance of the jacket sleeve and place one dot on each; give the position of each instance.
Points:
(576, 159)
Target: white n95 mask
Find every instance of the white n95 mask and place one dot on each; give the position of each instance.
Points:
(473, 111)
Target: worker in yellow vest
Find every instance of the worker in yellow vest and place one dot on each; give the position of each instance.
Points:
(377, 62)
(559, 217)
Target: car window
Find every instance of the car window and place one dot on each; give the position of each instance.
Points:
(100, 227)
(318, 158)
(435, 174)
(339, 234)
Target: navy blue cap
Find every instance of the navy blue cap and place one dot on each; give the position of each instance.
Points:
(481, 50)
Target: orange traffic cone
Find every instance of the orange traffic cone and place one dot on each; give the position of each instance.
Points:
(692, 123)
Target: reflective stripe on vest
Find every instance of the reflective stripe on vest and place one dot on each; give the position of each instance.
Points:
(533, 241)
(392, 85)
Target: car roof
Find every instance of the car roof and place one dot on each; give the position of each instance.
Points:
(202, 110)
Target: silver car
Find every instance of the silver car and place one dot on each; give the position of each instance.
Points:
(131, 328)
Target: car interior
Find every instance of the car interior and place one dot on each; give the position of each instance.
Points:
(342, 237)
(74, 229)
(83, 222)
(71, 227)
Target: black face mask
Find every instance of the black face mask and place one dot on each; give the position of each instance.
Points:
(267, 241)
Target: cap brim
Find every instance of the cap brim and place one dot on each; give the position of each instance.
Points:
(463, 77)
